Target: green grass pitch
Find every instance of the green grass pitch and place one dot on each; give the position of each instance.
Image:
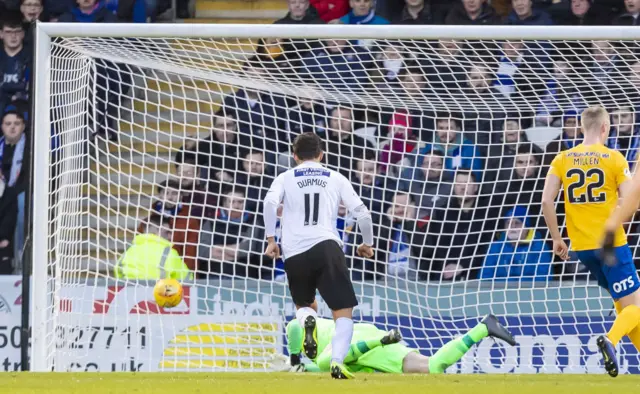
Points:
(289, 383)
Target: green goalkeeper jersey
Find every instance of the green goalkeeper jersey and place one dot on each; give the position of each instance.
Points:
(387, 359)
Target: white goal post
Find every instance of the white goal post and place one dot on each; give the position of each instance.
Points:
(162, 89)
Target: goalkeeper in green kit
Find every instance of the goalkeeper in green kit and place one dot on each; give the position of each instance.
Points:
(373, 350)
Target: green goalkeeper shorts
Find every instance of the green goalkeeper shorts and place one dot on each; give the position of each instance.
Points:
(387, 359)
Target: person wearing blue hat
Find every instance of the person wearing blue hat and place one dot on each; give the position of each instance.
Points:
(519, 253)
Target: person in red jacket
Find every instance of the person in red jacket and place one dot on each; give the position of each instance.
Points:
(184, 225)
(331, 9)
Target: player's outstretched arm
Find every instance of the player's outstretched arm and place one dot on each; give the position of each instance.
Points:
(630, 196)
(551, 188)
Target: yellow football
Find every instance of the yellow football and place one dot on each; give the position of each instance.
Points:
(168, 293)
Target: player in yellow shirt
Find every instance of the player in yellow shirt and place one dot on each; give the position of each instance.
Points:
(594, 177)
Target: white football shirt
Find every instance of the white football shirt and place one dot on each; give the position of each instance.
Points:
(311, 194)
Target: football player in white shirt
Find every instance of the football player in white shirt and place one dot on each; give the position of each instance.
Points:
(311, 246)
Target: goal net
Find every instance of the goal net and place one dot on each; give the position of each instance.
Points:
(163, 146)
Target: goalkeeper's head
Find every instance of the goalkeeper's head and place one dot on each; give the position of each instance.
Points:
(595, 124)
(307, 147)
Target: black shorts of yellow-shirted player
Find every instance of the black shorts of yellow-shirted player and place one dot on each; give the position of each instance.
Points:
(312, 250)
(595, 178)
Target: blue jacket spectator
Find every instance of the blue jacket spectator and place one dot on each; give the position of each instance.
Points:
(363, 13)
(625, 134)
(14, 64)
(519, 253)
(89, 11)
(459, 152)
(339, 66)
(524, 14)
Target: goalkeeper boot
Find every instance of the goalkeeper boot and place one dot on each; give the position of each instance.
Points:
(608, 352)
(310, 343)
(340, 371)
(497, 330)
(393, 336)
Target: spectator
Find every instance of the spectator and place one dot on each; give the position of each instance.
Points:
(579, 13)
(445, 69)
(401, 141)
(431, 185)
(625, 133)
(458, 231)
(570, 137)
(630, 17)
(14, 64)
(331, 9)
(343, 146)
(374, 189)
(401, 237)
(307, 116)
(185, 226)
(14, 175)
(300, 12)
(182, 9)
(8, 222)
(260, 124)
(234, 242)
(419, 12)
(339, 66)
(138, 11)
(255, 177)
(561, 93)
(472, 12)
(89, 11)
(412, 85)
(389, 61)
(218, 153)
(603, 73)
(482, 103)
(522, 184)
(362, 12)
(151, 255)
(459, 152)
(524, 14)
(31, 10)
(193, 188)
(519, 253)
(503, 151)
(274, 57)
(55, 8)
(517, 71)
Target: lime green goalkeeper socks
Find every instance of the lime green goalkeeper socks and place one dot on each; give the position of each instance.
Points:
(360, 348)
(294, 337)
(453, 350)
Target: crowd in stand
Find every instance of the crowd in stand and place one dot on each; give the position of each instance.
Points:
(454, 196)
(16, 17)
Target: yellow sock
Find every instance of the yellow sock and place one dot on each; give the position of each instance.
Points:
(625, 322)
(634, 334)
